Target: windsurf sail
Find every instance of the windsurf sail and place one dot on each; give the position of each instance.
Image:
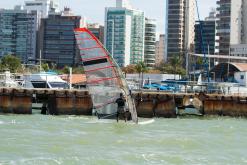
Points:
(105, 80)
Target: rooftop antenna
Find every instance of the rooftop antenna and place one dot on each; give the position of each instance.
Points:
(202, 41)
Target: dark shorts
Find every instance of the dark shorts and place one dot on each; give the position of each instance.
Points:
(121, 110)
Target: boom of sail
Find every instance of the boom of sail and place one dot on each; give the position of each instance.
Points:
(105, 80)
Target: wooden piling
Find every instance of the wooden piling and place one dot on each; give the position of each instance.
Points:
(22, 102)
(165, 107)
(5, 100)
(145, 106)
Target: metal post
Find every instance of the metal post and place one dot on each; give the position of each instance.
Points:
(70, 78)
(187, 63)
(228, 67)
(40, 63)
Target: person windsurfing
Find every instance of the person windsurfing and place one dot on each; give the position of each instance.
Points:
(121, 110)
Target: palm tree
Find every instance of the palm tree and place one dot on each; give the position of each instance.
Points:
(176, 62)
(141, 68)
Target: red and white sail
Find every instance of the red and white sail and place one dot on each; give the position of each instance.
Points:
(104, 78)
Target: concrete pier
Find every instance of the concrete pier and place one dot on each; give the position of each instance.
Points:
(16, 101)
(67, 102)
(55, 102)
(148, 104)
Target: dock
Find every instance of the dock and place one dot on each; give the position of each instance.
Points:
(148, 104)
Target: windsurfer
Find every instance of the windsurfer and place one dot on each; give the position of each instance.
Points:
(121, 107)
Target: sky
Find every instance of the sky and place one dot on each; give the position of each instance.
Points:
(94, 10)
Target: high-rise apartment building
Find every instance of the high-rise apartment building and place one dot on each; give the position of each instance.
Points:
(207, 29)
(58, 42)
(180, 20)
(224, 25)
(124, 33)
(160, 50)
(18, 33)
(150, 40)
(43, 7)
(97, 30)
(231, 24)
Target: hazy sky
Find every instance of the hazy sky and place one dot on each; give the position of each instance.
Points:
(94, 10)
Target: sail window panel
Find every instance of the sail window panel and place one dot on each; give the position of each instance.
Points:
(95, 62)
(95, 66)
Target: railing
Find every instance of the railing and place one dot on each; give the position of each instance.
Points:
(188, 87)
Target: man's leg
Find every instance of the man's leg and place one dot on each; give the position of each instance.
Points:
(117, 114)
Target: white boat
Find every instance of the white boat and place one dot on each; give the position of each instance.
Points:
(44, 80)
(8, 80)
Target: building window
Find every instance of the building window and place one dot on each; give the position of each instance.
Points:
(241, 77)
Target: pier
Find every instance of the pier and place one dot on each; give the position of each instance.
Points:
(148, 104)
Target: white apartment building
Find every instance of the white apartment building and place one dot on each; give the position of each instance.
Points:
(150, 40)
(180, 21)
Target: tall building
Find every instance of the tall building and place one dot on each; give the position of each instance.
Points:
(123, 3)
(160, 50)
(180, 20)
(150, 40)
(232, 24)
(18, 33)
(97, 30)
(124, 31)
(58, 42)
(43, 7)
(208, 30)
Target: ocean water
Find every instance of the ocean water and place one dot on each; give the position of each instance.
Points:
(68, 140)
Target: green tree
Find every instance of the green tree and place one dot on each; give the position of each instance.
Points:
(65, 70)
(78, 70)
(11, 63)
(176, 62)
(45, 67)
(130, 69)
(141, 68)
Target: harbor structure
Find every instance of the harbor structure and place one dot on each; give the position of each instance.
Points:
(180, 20)
(160, 50)
(209, 45)
(124, 31)
(58, 44)
(150, 41)
(149, 104)
(97, 30)
(18, 33)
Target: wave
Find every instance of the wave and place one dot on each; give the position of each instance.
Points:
(146, 122)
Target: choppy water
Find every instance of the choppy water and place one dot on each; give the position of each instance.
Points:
(37, 139)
